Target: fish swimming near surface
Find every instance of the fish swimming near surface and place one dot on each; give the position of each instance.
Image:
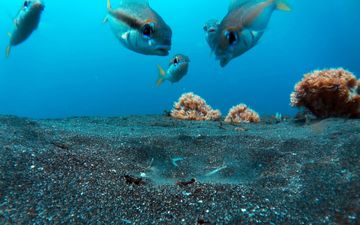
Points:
(243, 26)
(210, 28)
(178, 68)
(139, 28)
(26, 21)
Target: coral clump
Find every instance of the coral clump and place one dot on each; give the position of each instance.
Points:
(242, 114)
(328, 93)
(193, 107)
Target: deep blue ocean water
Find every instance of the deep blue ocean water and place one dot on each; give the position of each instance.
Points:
(74, 66)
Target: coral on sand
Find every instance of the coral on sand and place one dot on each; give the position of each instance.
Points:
(193, 107)
(242, 114)
(328, 93)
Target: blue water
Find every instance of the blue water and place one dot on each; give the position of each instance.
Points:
(74, 66)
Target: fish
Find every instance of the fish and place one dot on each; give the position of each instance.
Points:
(139, 28)
(178, 68)
(243, 26)
(175, 160)
(217, 170)
(210, 28)
(25, 23)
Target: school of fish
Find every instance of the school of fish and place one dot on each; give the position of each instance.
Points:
(141, 29)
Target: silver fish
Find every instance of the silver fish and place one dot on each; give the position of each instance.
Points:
(26, 21)
(243, 26)
(139, 28)
(178, 68)
(210, 28)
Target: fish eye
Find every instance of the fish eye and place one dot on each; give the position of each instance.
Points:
(26, 3)
(232, 37)
(205, 28)
(148, 29)
(176, 60)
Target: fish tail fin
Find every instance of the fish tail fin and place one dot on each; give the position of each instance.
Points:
(282, 5)
(8, 50)
(108, 5)
(161, 78)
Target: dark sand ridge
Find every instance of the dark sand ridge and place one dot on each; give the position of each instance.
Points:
(72, 171)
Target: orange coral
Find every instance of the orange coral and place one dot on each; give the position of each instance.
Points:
(328, 93)
(193, 107)
(242, 114)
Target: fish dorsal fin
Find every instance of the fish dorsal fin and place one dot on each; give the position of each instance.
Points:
(129, 2)
(236, 3)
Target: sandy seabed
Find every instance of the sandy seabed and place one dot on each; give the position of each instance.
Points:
(157, 170)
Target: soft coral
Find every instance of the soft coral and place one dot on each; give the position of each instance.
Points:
(328, 93)
(193, 107)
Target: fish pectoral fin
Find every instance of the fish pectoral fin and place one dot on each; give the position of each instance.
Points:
(254, 37)
(125, 36)
(8, 50)
(9, 34)
(256, 34)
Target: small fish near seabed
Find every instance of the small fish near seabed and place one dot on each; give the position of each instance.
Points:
(178, 68)
(139, 28)
(243, 26)
(26, 21)
(210, 28)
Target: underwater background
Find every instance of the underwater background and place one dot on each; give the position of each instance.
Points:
(74, 66)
